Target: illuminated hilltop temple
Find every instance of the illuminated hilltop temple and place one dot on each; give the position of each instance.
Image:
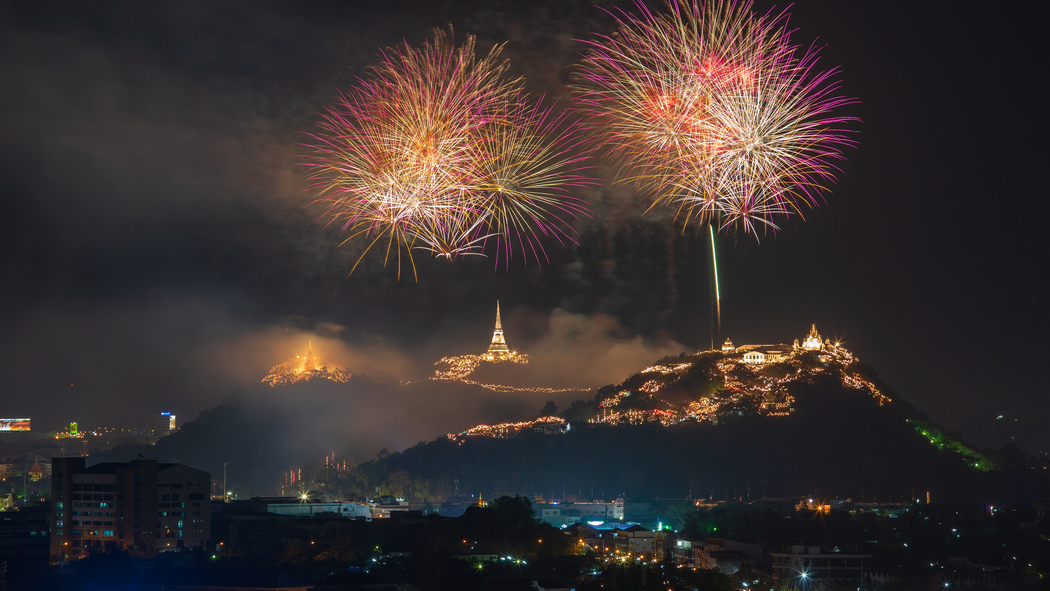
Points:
(763, 354)
(305, 368)
(459, 367)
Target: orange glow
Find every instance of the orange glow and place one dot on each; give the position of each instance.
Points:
(305, 368)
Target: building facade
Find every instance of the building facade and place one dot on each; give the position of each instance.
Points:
(809, 564)
(564, 514)
(635, 540)
(156, 424)
(139, 505)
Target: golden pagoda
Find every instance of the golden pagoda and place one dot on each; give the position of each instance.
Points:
(498, 349)
(309, 364)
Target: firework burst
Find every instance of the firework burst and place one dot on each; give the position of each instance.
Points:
(713, 111)
(438, 151)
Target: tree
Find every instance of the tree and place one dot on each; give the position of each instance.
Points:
(399, 482)
(549, 409)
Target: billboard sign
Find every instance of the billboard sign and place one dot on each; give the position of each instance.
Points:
(14, 424)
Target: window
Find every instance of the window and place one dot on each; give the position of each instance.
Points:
(138, 476)
(78, 487)
(196, 513)
(165, 497)
(174, 486)
(175, 497)
(58, 505)
(58, 523)
(197, 504)
(107, 532)
(107, 488)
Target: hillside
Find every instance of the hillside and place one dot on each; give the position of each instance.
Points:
(709, 425)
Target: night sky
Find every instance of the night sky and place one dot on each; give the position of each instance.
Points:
(156, 252)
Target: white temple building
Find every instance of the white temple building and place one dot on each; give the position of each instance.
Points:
(765, 354)
(812, 341)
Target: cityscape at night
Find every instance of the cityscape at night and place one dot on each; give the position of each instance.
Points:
(584, 295)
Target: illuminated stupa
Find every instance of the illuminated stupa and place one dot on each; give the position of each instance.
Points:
(498, 349)
(812, 340)
(460, 367)
(302, 369)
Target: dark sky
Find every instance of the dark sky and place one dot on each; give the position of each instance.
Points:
(155, 250)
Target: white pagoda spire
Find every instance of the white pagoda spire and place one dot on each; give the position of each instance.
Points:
(498, 348)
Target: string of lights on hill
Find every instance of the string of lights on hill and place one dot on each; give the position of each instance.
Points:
(460, 367)
(707, 385)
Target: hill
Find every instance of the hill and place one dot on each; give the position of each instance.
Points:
(708, 425)
(261, 432)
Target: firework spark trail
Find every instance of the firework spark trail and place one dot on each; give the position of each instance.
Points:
(713, 111)
(437, 151)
